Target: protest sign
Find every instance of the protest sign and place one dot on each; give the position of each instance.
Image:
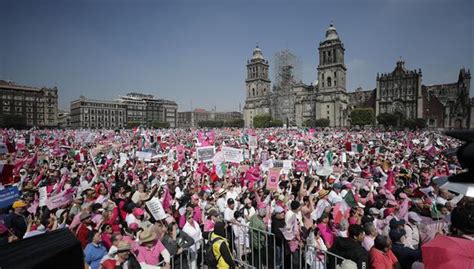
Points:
(205, 154)
(84, 137)
(278, 164)
(43, 196)
(359, 182)
(60, 199)
(287, 165)
(123, 160)
(273, 178)
(301, 166)
(142, 155)
(253, 142)
(156, 209)
(218, 158)
(266, 165)
(232, 154)
(8, 196)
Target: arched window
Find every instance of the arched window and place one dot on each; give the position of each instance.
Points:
(329, 81)
(253, 91)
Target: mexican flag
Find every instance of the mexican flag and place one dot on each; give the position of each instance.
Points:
(354, 147)
(350, 199)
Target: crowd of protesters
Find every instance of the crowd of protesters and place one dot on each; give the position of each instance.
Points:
(365, 196)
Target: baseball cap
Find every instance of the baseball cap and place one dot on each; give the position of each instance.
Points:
(278, 209)
(18, 204)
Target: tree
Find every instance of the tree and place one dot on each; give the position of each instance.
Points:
(266, 121)
(387, 119)
(317, 123)
(362, 116)
(415, 123)
(160, 125)
(210, 124)
(13, 121)
(133, 124)
(237, 123)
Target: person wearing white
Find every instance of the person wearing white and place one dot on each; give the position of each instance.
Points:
(193, 230)
(412, 231)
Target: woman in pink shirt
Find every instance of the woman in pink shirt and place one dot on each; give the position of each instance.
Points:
(326, 232)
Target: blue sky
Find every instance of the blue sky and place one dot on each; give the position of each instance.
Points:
(196, 51)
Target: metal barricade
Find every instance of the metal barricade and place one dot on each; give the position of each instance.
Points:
(257, 249)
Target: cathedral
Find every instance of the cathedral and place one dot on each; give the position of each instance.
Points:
(295, 102)
(399, 92)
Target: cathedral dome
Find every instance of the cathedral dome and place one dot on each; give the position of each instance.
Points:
(331, 33)
(257, 53)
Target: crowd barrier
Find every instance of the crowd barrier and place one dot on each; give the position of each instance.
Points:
(257, 249)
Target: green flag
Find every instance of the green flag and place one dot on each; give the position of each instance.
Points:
(350, 200)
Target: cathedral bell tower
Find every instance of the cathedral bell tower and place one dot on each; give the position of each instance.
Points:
(257, 88)
(257, 82)
(331, 68)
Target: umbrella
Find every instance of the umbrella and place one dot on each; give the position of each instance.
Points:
(448, 252)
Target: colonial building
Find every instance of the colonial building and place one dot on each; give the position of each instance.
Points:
(294, 102)
(88, 113)
(402, 93)
(145, 109)
(191, 119)
(64, 119)
(399, 92)
(38, 106)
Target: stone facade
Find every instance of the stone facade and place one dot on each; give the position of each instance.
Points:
(296, 102)
(38, 106)
(89, 113)
(146, 109)
(401, 92)
(191, 119)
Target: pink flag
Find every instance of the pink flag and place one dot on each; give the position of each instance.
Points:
(390, 185)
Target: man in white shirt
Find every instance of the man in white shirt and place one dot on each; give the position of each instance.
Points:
(412, 231)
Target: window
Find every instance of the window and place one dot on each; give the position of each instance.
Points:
(6, 103)
(6, 108)
(329, 81)
(17, 109)
(328, 106)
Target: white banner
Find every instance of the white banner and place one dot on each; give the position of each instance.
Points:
(233, 155)
(84, 137)
(43, 196)
(142, 155)
(253, 142)
(205, 154)
(123, 159)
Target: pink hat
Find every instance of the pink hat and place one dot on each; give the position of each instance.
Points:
(261, 205)
(133, 226)
(195, 197)
(138, 212)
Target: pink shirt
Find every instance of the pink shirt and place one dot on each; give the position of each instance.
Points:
(209, 225)
(326, 234)
(149, 256)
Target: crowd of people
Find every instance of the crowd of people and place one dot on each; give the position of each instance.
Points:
(146, 198)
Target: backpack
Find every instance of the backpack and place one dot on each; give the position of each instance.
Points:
(211, 260)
